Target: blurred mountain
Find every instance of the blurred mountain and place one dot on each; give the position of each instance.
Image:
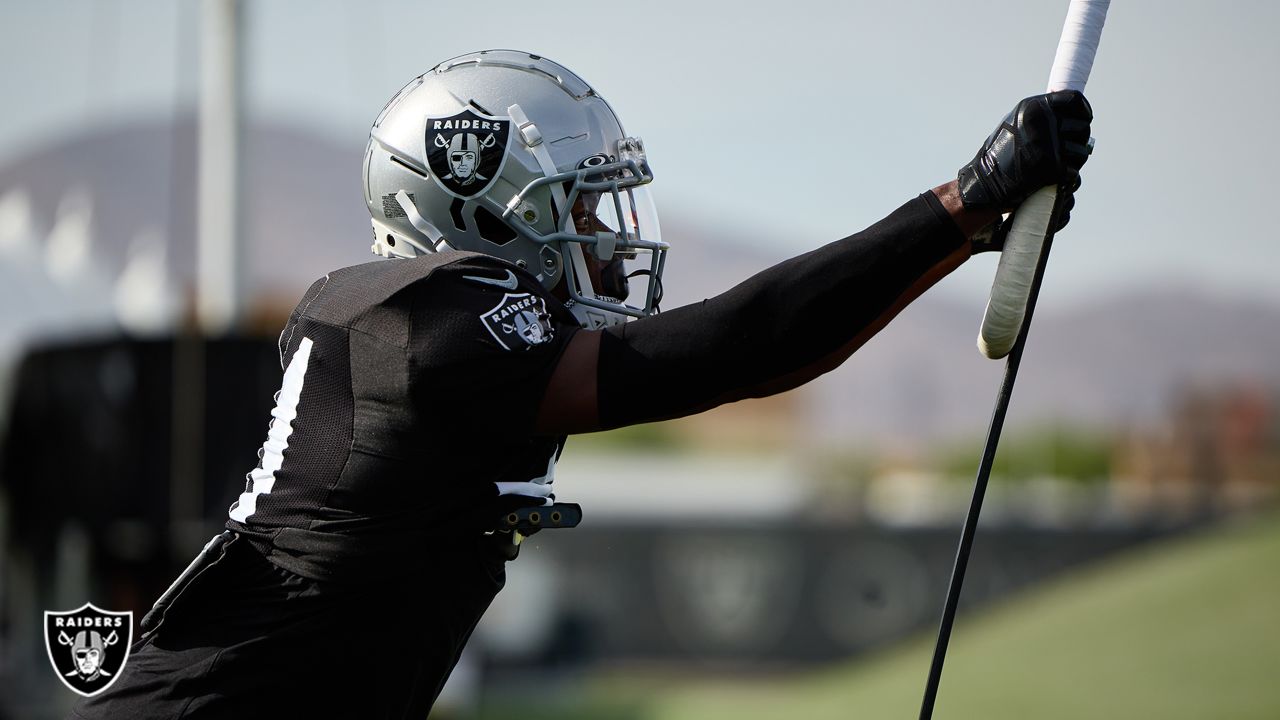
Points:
(303, 209)
(1119, 360)
(1115, 360)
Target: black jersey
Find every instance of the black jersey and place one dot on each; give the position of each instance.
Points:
(410, 387)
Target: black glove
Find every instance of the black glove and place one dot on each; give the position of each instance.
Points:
(1042, 141)
(991, 238)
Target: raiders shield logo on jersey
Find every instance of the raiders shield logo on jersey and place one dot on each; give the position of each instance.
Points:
(466, 152)
(519, 321)
(88, 646)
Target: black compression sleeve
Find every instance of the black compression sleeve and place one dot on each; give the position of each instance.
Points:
(775, 324)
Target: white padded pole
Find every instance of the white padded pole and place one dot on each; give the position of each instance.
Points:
(1012, 285)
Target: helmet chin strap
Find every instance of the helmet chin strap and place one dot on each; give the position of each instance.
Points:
(591, 318)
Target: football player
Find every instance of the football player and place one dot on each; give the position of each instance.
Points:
(427, 396)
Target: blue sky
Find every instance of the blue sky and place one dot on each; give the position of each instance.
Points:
(800, 121)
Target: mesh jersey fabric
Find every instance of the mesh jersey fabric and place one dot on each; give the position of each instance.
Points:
(422, 380)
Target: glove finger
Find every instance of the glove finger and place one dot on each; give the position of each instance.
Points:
(1076, 148)
(1069, 177)
(1064, 216)
(1074, 131)
(1075, 155)
(1071, 126)
(1074, 187)
(1070, 104)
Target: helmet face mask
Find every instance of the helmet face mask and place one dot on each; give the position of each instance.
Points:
(610, 220)
(511, 155)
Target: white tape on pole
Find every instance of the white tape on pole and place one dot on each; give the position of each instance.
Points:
(1012, 286)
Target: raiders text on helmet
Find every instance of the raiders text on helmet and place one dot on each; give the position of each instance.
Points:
(493, 152)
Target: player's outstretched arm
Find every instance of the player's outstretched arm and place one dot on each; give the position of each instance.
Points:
(803, 317)
(779, 329)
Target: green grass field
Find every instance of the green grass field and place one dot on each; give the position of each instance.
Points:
(1186, 629)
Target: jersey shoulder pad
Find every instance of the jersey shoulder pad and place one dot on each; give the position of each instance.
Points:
(486, 301)
(345, 295)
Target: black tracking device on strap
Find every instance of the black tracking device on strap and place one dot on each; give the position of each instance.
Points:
(543, 517)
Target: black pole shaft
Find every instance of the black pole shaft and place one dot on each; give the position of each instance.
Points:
(980, 484)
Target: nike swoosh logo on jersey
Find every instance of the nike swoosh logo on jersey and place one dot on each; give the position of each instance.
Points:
(509, 282)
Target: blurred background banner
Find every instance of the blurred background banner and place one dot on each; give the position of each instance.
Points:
(174, 174)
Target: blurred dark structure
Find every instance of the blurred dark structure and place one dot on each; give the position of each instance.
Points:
(759, 595)
(120, 461)
(122, 457)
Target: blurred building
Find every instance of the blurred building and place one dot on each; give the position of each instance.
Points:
(1218, 450)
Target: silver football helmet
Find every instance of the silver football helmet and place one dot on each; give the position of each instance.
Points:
(509, 154)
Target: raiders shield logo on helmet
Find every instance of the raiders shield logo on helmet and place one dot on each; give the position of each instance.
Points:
(519, 321)
(88, 646)
(466, 152)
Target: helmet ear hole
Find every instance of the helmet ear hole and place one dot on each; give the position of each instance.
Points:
(491, 228)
